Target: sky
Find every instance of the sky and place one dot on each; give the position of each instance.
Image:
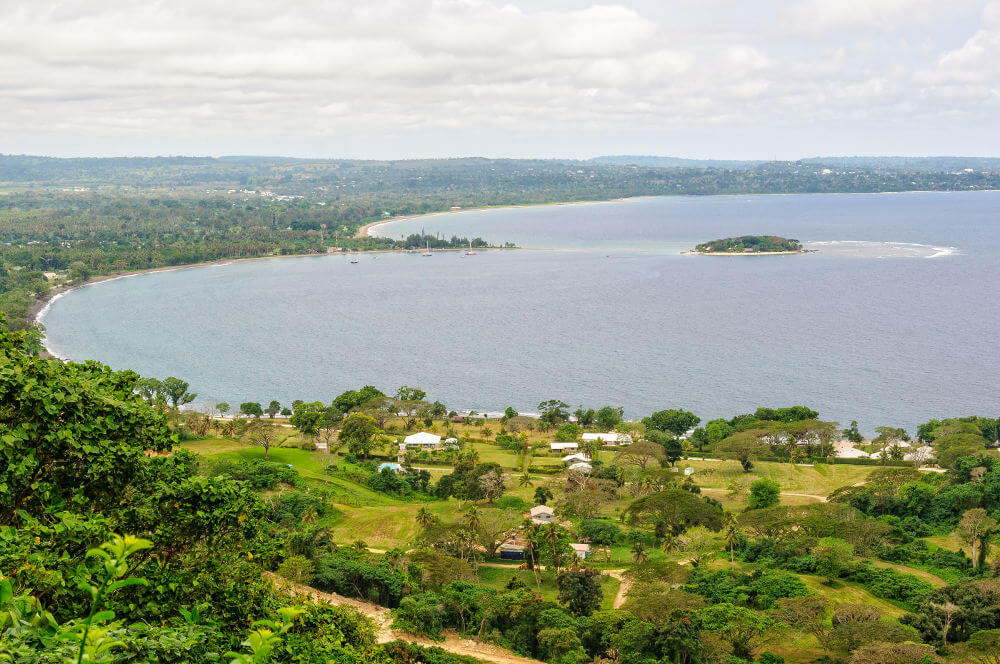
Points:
(767, 79)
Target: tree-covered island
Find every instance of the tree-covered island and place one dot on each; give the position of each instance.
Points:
(750, 244)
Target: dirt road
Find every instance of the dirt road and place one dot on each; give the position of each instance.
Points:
(382, 618)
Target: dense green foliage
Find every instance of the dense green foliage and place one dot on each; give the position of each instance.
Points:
(749, 244)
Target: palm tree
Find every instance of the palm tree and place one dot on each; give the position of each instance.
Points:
(639, 554)
(732, 535)
(472, 518)
(552, 538)
(668, 543)
(425, 518)
(525, 479)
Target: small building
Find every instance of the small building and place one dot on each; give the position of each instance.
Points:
(581, 550)
(422, 440)
(849, 452)
(688, 470)
(542, 514)
(611, 439)
(569, 458)
(512, 550)
(581, 466)
(559, 447)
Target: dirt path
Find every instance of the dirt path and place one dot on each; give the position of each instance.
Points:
(814, 496)
(624, 584)
(382, 617)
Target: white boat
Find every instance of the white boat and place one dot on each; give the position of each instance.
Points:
(470, 252)
(428, 251)
(354, 260)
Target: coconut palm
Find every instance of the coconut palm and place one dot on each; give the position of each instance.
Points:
(639, 554)
(552, 538)
(732, 534)
(525, 479)
(424, 518)
(472, 518)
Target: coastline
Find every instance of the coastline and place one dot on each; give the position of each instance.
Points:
(749, 253)
(365, 231)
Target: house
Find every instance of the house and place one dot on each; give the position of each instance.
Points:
(849, 452)
(575, 457)
(581, 466)
(559, 447)
(422, 440)
(542, 514)
(611, 439)
(582, 551)
(512, 550)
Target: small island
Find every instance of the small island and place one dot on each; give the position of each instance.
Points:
(750, 245)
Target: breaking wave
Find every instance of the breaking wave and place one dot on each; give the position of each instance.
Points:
(868, 249)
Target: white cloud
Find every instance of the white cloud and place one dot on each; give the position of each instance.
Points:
(144, 73)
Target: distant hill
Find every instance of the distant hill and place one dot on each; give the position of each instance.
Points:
(895, 164)
(913, 164)
(673, 162)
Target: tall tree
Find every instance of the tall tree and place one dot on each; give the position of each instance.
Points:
(273, 409)
(674, 421)
(251, 409)
(976, 525)
(580, 590)
(359, 432)
(176, 392)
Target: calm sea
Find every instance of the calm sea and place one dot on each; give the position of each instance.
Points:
(893, 321)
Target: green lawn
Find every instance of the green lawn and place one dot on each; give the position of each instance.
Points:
(850, 593)
(820, 479)
(496, 577)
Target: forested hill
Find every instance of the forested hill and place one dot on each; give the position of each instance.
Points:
(912, 164)
(479, 181)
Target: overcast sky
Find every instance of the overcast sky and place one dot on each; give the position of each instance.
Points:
(547, 78)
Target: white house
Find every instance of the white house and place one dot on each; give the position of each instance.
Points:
(582, 551)
(559, 447)
(581, 466)
(610, 439)
(542, 514)
(576, 457)
(849, 452)
(422, 440)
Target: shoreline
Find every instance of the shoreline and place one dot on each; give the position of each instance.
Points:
(365, 231)
(748, 253)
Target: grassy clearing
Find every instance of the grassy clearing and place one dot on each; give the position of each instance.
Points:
(850, 593)
(820, 479)
(930, 578)
(496, 577)
(309, 466)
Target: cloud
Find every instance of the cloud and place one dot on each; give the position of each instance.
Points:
(291, 71)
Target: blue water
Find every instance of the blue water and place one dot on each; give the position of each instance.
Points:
(610, 313)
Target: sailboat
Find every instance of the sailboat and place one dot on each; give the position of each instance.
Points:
(470, 252)
(428, 252)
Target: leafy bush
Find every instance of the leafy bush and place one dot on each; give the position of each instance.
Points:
(261, 475)
(512, 503)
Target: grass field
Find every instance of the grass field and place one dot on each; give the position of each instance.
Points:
(820, 479)
(496, 577)
(850, 593)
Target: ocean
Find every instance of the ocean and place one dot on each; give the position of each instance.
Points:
(891, 321)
